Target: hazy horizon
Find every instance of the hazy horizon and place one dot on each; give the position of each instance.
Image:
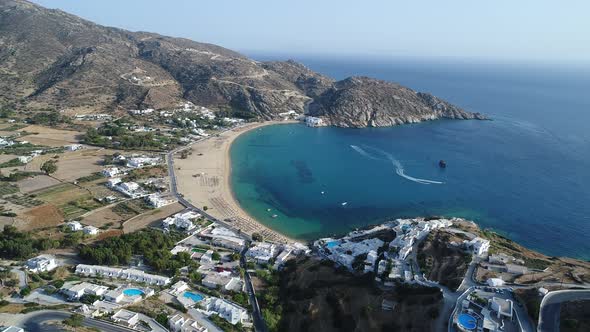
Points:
(503, 31)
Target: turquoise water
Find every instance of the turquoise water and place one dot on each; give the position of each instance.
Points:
(526, 174)
(467, 321)
(132, 292)
(332, 244)
(193, 296)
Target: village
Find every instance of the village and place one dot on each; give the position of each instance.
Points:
(102, 232)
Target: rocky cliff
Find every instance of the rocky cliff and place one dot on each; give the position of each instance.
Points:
(51, 59)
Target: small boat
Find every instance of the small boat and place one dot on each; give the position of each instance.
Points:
(274, 215)
(323, 192)
(344, 203)
(268, 210)
(442, 164)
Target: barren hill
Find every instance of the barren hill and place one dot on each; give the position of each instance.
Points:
(52, 59)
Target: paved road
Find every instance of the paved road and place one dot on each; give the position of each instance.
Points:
(38, 322)
(258, 321)
(551, 307)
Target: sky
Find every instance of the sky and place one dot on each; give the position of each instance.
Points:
(503, 30)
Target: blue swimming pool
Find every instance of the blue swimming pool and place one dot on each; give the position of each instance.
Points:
(132, 292)
(467, 322)
(332, 244)
(193, 296)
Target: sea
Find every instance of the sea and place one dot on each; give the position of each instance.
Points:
(525, 174)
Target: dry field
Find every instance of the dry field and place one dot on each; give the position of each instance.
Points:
(151, 217)
(36, 183)
(40, 217)
(74, 165)
(50, 137)
(102, 217)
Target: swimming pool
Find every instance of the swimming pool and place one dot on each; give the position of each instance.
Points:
(132, 292)
(467, 322)
(193, 296)
(332, 244)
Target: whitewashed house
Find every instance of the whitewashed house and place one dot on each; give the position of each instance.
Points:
(41, 263)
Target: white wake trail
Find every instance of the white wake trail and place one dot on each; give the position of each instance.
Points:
(399, 168)
(363, 152)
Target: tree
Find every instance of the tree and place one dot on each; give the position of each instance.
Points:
(215, 256)
(75, 320)
(257, 237)
(205, 208)
(49, 167)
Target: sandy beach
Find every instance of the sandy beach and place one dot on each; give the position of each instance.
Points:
(204, 180)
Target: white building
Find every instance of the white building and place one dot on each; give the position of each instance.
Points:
(479, 246)
(178, 323)
(41, 263)
(178, 287)
(226, 310)
(73, 147)
(74, 226)
(126, 317)
(138, 162)
(503, 307)
(141, 112)
(314, 122)
(115, 295)
(156, 201)
(207, 258)
(495, 282)
(130, 189)
(182, 220)
(76, 291)
(126, 274)
(262, 252)
(110, 172)
(25, 159)
(223, 237)
(90, 230)
(222, 280)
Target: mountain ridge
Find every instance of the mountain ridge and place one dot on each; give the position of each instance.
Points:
(52, 59)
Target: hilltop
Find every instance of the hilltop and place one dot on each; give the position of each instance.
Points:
(50, 59)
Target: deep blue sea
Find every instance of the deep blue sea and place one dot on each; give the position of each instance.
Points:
(526, 174)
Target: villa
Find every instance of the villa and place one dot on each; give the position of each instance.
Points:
(126, 317)
(262, 252)
(223, 237)
(225, 309)
(182, 220)
(74, 226)
(138, 162)
(110, 172)
(178, 323)
(41, 263)
(223, 281)
(90, 230)
(126, 274)
(74, 292)
(156, 201)
(478, 246)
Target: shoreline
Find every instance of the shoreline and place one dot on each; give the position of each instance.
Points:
(204, 178)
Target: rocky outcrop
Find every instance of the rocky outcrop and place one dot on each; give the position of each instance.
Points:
(49, 58)
(367, 102)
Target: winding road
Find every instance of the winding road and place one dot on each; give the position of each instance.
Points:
(551, 307)
(40, 322)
